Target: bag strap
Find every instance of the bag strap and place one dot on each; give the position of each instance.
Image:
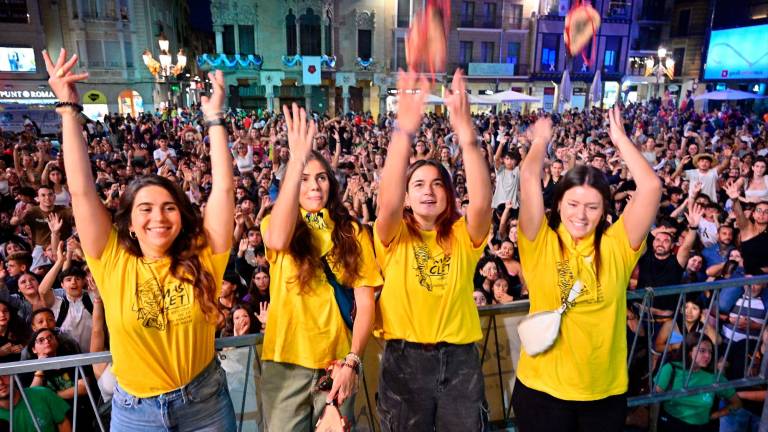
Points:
(572, 295)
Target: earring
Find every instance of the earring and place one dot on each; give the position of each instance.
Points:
(132, 234)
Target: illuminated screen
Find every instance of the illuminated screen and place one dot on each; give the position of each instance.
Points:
(738, 54)
(13, 59)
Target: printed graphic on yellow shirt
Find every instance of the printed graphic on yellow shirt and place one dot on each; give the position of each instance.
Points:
(156, 307)
(565, 281)
(431, 272)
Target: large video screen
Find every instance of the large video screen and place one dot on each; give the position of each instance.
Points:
(738, 53)
(14, 59)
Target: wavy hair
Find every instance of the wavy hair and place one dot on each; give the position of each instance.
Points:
(583, 175)
(186, 247)
(446, 219)
(345, 251)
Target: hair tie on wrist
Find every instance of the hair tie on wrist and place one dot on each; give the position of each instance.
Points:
(74, 105)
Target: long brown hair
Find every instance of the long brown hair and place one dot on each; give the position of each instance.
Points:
(186, 247)
(449, 215)
(345, 251)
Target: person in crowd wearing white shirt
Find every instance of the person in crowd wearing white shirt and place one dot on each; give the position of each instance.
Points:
(164, 155)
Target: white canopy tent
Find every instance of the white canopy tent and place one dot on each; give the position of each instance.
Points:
(511, 96)
(727, 95)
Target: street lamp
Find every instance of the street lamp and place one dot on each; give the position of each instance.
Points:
(660, 67)
(164, 69)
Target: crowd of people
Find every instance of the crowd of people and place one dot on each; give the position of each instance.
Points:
(58, 242)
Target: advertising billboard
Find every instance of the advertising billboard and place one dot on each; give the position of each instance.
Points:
(738, 53)
(17, 59)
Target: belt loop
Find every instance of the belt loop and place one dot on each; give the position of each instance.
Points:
(184, 395)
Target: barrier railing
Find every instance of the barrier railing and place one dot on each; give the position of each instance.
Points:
(491, 315)
(645, 297)
(80, 360)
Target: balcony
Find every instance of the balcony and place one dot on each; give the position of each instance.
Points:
(480, 21)
(490, 69)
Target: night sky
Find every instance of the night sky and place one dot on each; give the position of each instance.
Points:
(200, 15)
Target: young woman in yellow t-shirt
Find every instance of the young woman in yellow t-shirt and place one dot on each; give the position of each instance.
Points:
(430, 373)
(159, 269)
(305, 331)
(580, 383)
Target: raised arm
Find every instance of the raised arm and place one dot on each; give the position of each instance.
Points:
(479, 212)
(745, 226)
(411, 94)
(286, 209)
(531, 194)
(92, 219)
(45, 289)
(694, 217)
(641, 210)
(218, 224)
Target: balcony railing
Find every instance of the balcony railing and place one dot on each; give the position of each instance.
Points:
(480, 21)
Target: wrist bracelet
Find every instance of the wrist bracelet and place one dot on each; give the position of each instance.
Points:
(218, 114)
(74, 105)
(355, 358)
(219, 121)
(693, 227)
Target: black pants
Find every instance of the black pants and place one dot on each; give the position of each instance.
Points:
(539, 412)
(668, 423)
(426, 388)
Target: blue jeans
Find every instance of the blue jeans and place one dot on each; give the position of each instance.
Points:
(202, 405)
(741, 420)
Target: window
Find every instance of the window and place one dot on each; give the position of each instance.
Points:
(678, 55)
(683, 22)
(467, 14)
(228, 37)
(465, 52)
(403, 13)
(513, 52)
(550, 43)
(246, 39)
(95, 53)
(290, 33)
(128, 49)
(328, 33)
(90, 9)
(489, 15)
(123, 5)
(400, 54)
(109, 9)
(364, 44)
(14, 11)
(619, 8)
(309, 33)
(113, 59)
(486, 52)
(516, 16)
(612, 57)
(578, 64)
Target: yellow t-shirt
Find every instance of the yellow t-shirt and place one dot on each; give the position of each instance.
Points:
(159, 337)
(427, 296)
(588, 360)
(306, 328)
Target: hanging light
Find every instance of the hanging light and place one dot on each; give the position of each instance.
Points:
(182, 59)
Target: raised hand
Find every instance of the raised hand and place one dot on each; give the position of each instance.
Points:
(695, 214)
(212, 105)
(732, 189)
(54, 222)
(61, 77)
(541, 130)
(412, 91)
(263, 313)
(458, 107)
(616, 125)
(300, 131)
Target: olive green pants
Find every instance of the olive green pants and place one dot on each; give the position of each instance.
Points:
(291, 401)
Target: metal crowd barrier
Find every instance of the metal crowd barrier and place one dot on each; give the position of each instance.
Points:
(645, 298)
(78, 361)
(490, 313)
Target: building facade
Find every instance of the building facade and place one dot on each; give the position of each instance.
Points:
(109, 37)
(267, 48)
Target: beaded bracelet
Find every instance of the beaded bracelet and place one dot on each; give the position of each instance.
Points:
(214, 122)
(74, 105)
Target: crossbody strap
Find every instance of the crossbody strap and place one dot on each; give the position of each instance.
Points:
(572, 295)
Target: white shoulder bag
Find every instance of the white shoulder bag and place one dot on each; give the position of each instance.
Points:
(539, 331)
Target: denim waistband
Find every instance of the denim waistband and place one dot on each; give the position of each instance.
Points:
(182, 392)
(401, 343)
